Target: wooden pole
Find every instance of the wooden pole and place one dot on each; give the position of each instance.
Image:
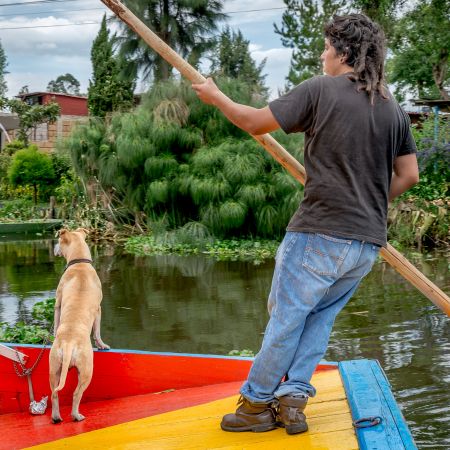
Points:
(392, 256)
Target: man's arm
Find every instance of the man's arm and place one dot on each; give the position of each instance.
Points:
(253, 120)
(406, 175)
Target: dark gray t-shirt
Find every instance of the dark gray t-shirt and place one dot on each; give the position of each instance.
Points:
(350, 147)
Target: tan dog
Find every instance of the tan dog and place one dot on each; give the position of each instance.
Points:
(77, 312)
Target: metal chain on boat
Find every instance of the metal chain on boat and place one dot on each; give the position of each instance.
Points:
(28, 371)
(36, 408)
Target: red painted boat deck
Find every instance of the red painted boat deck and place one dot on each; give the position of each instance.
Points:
(25, 430)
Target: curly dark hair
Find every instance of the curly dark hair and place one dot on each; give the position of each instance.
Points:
(362, 42)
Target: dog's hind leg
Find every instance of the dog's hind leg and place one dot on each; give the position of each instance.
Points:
(84, 378)
(97, 338)
(54, 381)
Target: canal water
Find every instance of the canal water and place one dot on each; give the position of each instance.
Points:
(194, 304)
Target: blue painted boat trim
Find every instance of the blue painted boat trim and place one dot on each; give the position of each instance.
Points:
(369, 395)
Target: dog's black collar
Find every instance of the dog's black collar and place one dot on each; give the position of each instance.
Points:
(76, 261)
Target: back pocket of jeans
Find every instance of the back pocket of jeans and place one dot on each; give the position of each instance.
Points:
(324, 254)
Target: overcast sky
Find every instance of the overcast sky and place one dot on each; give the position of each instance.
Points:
(38, 55)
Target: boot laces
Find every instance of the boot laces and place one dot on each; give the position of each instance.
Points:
(273, 405)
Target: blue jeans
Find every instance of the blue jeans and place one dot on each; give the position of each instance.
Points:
(315, 276)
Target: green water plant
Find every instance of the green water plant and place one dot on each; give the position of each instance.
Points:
(254, 250)
(43, 312)
(38, 331)
(245, 352)
(21, 333)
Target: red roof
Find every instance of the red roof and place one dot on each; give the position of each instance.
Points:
(56, 94)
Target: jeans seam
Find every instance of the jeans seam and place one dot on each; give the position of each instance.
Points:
(282, 258)
(334, 239)
(289, 245)
(361, 247)
(339, 260)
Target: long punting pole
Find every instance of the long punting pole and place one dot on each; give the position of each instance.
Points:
(390, 254)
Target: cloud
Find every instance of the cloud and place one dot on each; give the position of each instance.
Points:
(56, 36)
(38, 55)
(276, 67)
(46, 46)
(31, 79)
(274, 55)
(254, 47)
(38, 77)
(256, 15)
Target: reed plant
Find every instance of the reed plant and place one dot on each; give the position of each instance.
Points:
(177, 161)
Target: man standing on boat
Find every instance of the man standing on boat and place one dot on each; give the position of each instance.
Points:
(359, 155)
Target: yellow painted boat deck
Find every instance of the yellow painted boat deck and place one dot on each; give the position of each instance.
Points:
(198, 427)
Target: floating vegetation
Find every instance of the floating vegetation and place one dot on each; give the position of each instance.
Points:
(255, 251)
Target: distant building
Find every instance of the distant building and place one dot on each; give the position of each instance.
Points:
(440, 108)
(71, 105)
(73, 110)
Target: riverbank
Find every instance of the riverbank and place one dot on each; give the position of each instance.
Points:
(412, 222)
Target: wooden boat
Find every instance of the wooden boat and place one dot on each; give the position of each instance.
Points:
(158, 401)
(30, 227)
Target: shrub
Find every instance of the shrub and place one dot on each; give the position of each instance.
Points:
(31, 167)
(12, 147)
(434, 160)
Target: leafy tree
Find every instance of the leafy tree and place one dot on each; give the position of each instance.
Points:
(30, 115)
(108, 91)
(421, 47)
(381, 11)
(3, 72)
(302, 30)
(231, 58)
(24, 90)
(31, 167)
(65, 84)
(186, 26)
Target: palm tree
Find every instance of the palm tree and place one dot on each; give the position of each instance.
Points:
(185, 25)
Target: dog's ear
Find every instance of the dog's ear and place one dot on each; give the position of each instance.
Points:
(83, 230)
(61, 234)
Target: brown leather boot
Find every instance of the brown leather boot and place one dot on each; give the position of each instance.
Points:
(291, 414)
(250, 416)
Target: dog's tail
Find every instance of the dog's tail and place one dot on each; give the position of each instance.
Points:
(67, 350)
